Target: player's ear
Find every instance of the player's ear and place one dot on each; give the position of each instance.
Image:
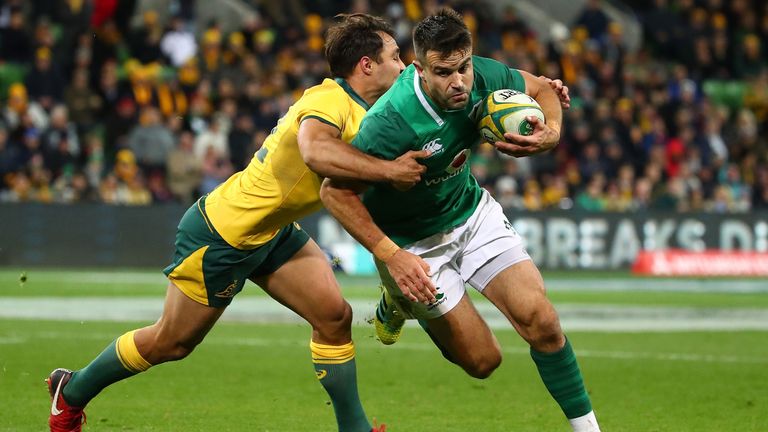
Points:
(419, 69)
(366, 65)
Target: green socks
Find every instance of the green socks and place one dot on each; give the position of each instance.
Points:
(335, 368)
(562, 377)
(120, 360)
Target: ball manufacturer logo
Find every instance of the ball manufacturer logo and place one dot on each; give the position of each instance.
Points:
(488, 135)
(503, 95)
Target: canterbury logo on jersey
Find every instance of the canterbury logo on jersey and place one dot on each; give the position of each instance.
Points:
(321, 373)
(433, 147)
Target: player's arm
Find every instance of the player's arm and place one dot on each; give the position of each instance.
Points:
(411, 273)
(545, 136)
(326, 154)
(563, 93)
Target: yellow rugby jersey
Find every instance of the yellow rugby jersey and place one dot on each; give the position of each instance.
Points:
(277, 187)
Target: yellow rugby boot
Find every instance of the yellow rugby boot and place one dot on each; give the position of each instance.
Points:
(388, 320)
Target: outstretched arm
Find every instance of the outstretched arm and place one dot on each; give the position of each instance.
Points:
(409, 271)
(325, 153)
(545, 136)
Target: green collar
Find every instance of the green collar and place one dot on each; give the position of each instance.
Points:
(355, 97)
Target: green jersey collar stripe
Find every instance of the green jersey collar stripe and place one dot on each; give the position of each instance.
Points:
(355, 97)
(423, 99)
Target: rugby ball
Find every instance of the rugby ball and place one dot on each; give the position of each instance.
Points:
(505, 111)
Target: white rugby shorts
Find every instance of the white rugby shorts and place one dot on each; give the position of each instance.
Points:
(474, 253)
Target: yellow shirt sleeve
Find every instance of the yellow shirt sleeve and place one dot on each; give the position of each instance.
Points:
(329, 105)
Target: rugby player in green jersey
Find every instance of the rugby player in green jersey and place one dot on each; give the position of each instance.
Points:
(244, 230)
(444, 230)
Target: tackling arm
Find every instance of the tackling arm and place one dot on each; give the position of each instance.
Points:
(409, 271)
(326, 154)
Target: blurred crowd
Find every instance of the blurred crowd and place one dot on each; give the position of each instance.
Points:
(103, 102)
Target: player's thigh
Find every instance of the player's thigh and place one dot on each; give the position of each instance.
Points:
(305, 283)
(464, 334)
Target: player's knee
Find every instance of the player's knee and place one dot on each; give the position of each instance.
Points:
(545, 332)
(175, 350)
(538, 317)
(181, 351)
(341, 317)
(166, 347)
(482, 366)
(335, 322)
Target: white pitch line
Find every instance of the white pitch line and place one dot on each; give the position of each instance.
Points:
(609, 284)
(596, 318)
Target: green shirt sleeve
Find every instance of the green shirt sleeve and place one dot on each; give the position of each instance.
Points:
(493, 75)
(385, 134)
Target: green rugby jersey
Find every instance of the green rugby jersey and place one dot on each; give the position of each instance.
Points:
(404, 119)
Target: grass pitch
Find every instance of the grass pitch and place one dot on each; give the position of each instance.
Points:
(258, 377)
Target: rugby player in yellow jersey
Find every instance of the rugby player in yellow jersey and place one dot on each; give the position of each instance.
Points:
(245, 229)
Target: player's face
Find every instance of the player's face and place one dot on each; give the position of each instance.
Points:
(389, 66)
(448, 80)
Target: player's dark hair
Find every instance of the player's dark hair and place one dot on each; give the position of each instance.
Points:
(444, 32)
(352, 38)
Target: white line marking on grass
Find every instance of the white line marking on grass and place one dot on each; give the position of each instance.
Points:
(732, 286)
(597, 318)
(628, 282)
